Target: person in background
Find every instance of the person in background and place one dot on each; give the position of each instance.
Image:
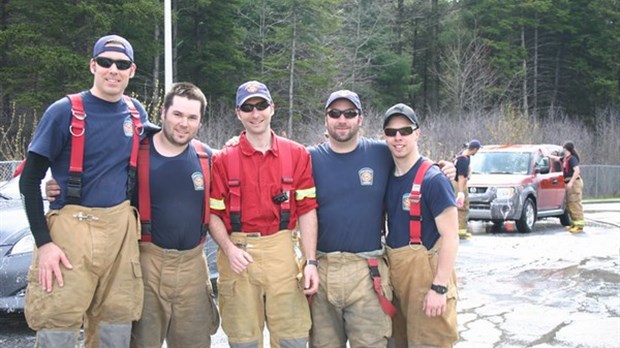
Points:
(463, 171)
(574, 184)
(85, 268)
(422, 255)
(261, 189)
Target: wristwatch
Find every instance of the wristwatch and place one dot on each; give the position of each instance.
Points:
(440, 289)
(314, 263)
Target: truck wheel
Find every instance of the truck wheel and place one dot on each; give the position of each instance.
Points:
(526, 222)
(565, 218)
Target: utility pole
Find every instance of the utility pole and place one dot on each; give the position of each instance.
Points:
(168, 78)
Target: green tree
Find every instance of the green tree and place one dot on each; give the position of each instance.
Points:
(288, 41)
(209, 50)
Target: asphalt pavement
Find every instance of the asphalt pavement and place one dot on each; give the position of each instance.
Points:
(548, 288)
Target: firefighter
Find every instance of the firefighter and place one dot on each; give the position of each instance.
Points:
(574, 185)
(86, 268)
(422, 239)
(261, 189)
(463, 171)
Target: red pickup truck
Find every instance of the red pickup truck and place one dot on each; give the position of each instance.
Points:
(515, 182)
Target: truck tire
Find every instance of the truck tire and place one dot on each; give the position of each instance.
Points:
(565, 218)
(526, 223)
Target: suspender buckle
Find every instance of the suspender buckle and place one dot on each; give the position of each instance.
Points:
(281, 198)
(74, 188)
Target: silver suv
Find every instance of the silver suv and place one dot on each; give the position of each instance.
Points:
(517, 183)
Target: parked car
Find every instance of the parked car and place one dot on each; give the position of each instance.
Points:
(17, 244)
(516, 183)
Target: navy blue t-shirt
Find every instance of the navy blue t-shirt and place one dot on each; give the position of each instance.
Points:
(462, 166)
(350, 188)
(569, 170)
(107, 147)
(177, 189)
(437, 195)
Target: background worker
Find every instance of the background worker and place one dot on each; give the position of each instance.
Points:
(574, 184)
(86, 265)
(422, 274)
(252, 197)
(463, 172)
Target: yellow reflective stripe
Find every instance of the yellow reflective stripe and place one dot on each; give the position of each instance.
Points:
(216, 204)
(306, 193)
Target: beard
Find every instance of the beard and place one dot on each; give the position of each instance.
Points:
(170, 137)
(337, 135)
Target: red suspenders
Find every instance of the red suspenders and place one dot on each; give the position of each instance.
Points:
(415, 234)
(234, 184)
(415, 221)
(144, 191)
(77, 130)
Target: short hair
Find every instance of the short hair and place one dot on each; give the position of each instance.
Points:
(187, 90)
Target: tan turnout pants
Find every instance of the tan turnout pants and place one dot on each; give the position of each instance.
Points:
(412, 270)
(573, 202)
(462, 211)
(347, 308)
(103, 291)
(267, 292)
(178, 299)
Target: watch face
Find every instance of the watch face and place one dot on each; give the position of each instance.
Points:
(439, 289)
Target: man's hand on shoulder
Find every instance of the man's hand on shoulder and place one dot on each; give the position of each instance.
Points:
(447, 168)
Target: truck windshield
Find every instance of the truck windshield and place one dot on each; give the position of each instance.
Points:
(515, 163)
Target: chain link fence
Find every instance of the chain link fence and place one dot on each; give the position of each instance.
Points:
(600, 181)
(6, 169)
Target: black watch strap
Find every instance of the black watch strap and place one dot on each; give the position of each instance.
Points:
(315, 263)
(440, 289)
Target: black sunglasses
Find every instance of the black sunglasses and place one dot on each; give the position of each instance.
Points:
(260, 106)
(121, 64)
(350, 113)
(391, 132)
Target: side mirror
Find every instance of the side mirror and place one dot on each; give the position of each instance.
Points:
(542, 166)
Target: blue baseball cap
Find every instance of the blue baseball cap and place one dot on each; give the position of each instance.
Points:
(119, 45)
(252, 89)
(344, 94)
(474, 144)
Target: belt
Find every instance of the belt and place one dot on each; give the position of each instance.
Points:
(568, 179)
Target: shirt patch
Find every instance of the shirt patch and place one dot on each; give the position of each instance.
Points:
(405, 202)
(198, 180)
(128, 127)
(366, 176)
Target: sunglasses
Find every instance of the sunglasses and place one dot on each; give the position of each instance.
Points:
(391, 132)
(121, 64)
(350, 113)
(249, 107)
